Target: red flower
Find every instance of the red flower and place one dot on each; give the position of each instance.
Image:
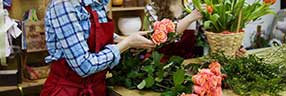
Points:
(271, 2)
(210, 9)
(159, 37)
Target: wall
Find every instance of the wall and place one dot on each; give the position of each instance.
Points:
(266, 23)
(20, 6)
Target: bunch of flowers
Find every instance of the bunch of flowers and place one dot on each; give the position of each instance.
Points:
(161, 31)
(225, 16)
(208, 81)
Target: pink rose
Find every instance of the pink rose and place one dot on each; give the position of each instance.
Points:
(159, 37)
(158, 26)
(199, 90)
(214, 81)
(206, 72)
(215, 68)
(170, 26)
(199, 79)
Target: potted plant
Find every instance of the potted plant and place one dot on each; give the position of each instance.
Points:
(223, 21)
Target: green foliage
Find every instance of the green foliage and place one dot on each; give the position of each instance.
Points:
(167, 77)
(251, 76)
(226, 13)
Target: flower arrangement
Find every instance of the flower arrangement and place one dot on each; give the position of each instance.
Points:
(230, 16)
(207, 82)
(164, 31)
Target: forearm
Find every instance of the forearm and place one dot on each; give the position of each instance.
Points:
(183, 24)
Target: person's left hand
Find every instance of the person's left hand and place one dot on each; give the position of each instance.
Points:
(240, 52)
(195, 15)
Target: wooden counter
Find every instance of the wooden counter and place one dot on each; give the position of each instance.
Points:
(124, 91)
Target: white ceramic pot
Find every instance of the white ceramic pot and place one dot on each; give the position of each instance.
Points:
(129, 25)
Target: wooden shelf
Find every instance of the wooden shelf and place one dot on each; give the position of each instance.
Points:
(127, 8)
(23, 85)
(36, 50)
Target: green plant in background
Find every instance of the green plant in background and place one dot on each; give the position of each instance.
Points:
(231, 15)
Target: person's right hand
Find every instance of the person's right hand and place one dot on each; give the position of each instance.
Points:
(136, 40)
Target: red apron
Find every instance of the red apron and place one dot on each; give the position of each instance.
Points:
(63, 81)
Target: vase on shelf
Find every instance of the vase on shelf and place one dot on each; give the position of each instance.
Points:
(129, 25)
(117, 3)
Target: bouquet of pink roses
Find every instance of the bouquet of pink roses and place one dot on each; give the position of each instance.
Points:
(164, 32)
(208, 81)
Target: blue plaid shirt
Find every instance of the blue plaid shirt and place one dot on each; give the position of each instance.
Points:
(67, 30)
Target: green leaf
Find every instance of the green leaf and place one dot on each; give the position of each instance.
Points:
(207, 24)
(214, 17)
(128, 83)
(179, 77)
(149, 81)
(158, 79)
(134, 74)
(168, 93)
(141, 85)
(149, 69)
(176, 59)
(156, 57)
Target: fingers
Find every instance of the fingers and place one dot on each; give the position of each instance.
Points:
(144, 32)
(241, 52)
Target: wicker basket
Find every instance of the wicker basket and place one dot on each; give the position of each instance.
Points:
(226, 43)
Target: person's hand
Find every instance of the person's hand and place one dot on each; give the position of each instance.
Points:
(195, 15)
(119, 39)
(240, 52)
(136, 40)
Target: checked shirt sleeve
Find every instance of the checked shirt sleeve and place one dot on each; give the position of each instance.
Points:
(65, 22)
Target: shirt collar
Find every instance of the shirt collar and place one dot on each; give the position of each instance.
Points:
(89, 2)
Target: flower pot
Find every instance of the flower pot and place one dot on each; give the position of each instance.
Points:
(226, 43)
(129, 25)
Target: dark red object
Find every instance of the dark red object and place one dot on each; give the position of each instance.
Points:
(63, 81)
(184, 48)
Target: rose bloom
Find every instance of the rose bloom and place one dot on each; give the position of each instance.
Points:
(170, 26)
(199, 90)
(158, 26)
(206, 72)
(214, 81)
(199, 79)
(215, 92)
(159, 37)
(215, 68)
